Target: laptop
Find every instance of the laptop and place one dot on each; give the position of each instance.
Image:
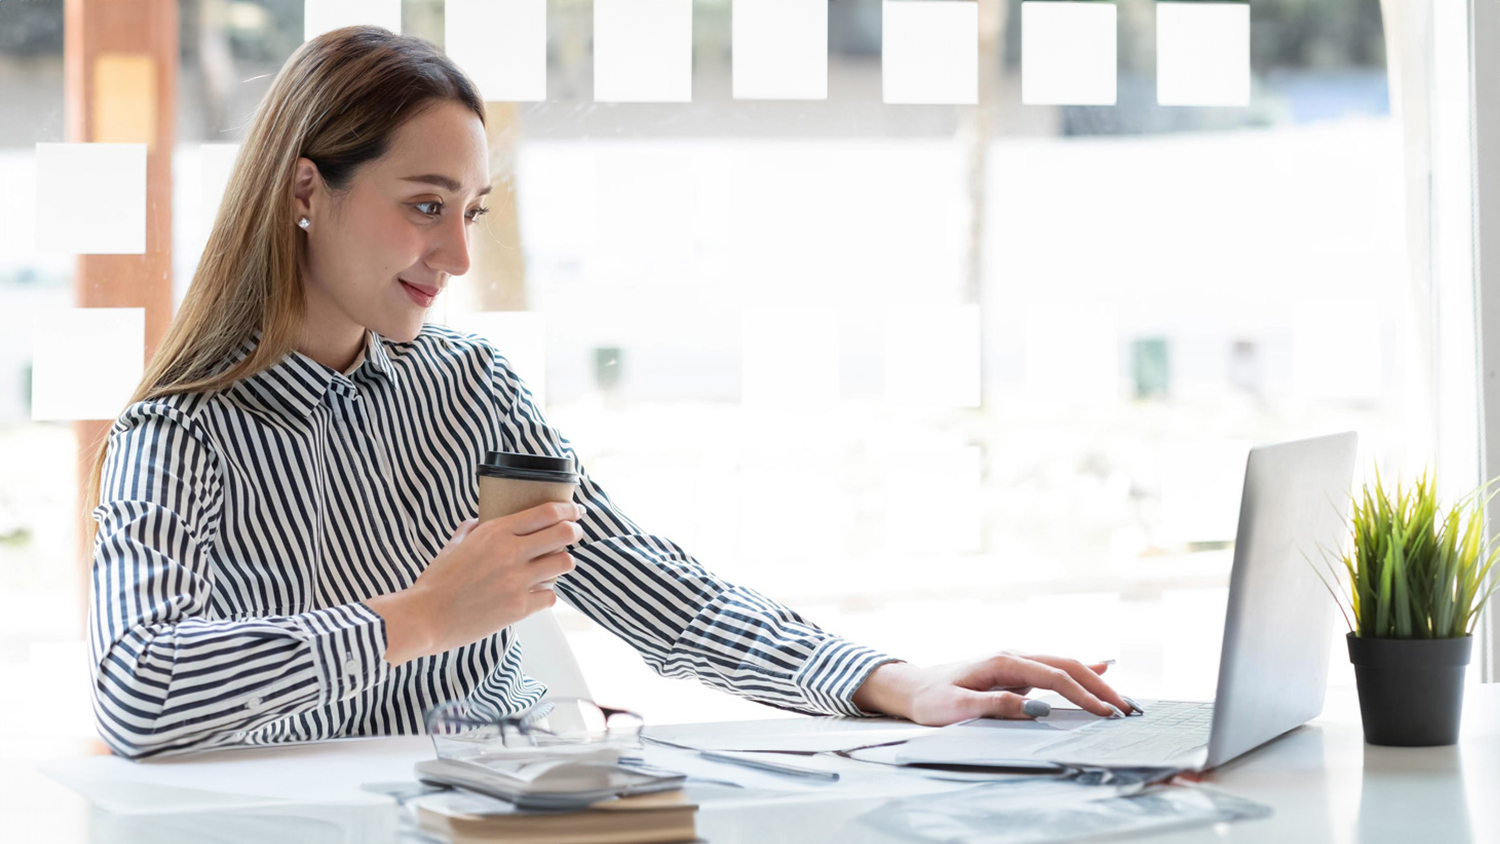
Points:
(1273, 668)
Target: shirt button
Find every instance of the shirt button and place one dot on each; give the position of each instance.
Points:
(351, 666)
(253, 704)
(238, 736)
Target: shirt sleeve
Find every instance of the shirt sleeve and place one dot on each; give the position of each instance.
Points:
(684, 620)
(167, 674)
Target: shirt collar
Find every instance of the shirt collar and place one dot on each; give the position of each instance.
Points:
(296, 384)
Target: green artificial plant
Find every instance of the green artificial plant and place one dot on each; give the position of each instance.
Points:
(1416, 570)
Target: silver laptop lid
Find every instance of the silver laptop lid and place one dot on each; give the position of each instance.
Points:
(1273, 669)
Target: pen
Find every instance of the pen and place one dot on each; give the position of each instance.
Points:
(766, 765)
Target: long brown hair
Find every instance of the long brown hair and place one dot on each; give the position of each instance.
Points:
(337, 101)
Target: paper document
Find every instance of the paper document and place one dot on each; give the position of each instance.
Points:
(237, 778)
(789, 735)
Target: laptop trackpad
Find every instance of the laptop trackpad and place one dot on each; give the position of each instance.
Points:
(991, 741)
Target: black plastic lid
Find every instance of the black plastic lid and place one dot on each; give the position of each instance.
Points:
(529, 467)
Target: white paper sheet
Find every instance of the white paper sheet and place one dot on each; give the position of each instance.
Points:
(930, 51)
(728, 781)
(238, 778)
(112, 176)
(1068, 53)
(501, 45)
(780, 49)
(320, 16)
(643, 51)
(790, 358)
(795, 735)
(1203, 54)
(86, 362)
(932, 356)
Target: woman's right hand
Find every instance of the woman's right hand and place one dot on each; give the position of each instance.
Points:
(488, 577)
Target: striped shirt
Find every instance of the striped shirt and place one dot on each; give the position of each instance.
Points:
(240, 532)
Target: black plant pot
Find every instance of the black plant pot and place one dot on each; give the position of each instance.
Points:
(1411, 691)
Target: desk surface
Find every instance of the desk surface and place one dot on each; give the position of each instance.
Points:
(1323, 782)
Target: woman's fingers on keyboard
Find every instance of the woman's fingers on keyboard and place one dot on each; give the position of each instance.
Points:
(1044, 675)
(1089, 680)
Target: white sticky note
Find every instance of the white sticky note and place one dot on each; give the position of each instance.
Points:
(780, 49)
(643, 51)
(768, 481)
(501, 45)
(216, 164)
(930, 51)
(111, 176)
(928, 486)
(790, 359)
(1068, 53)
(932, 356)
(1200, 483)
(320, 16)
(520, 337)
(1337, 354)
(86, 362)
(1071, 354)
(1203, 54)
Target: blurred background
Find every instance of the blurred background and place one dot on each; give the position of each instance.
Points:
(948, 379)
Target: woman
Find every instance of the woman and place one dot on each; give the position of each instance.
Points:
(285, 545)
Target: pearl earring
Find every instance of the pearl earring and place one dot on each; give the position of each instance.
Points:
(303, 222)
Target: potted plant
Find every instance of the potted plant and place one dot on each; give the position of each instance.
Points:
(1417, 580)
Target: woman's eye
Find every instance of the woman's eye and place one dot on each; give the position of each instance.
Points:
(475, 214)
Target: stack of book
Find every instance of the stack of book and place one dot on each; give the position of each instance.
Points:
(464, 817)
(577, 794)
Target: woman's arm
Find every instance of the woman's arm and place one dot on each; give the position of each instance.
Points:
(684, 620)
(167, 676)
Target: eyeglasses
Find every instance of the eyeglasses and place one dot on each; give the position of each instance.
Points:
(563, 722)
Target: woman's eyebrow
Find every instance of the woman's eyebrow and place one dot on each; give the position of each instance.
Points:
(450, 185)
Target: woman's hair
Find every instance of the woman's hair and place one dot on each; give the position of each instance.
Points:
(337, 101)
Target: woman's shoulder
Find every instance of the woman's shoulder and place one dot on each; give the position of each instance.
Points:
(449, 339)
(161, 414)
(445, 345)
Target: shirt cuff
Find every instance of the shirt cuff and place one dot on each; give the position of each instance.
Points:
(835, 671)
(348, 649)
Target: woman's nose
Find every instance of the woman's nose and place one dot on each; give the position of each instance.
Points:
(452, 252)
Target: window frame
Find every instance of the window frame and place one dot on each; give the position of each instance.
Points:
(1484, 28)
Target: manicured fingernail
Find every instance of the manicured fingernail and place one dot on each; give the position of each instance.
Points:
(581, 509)
(1114, 710)
(1133, 705)
(1037, 708)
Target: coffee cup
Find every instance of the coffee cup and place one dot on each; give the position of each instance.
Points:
(510, 482)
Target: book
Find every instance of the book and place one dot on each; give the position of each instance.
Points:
(549, 780)
(463, 817)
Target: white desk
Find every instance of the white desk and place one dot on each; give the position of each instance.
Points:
(1323, 782)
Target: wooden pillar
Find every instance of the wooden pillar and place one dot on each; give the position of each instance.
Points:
(499, 271)
(120, 86)
(976, 127)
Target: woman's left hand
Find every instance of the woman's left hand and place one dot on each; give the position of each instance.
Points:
(994, 687)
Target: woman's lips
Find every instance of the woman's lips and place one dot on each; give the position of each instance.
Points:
(420, 294)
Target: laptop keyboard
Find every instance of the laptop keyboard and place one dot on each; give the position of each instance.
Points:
(1169, 729)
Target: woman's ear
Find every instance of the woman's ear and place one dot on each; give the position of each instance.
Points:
(305, 181)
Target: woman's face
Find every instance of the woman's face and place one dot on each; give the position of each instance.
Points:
(400, 234)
